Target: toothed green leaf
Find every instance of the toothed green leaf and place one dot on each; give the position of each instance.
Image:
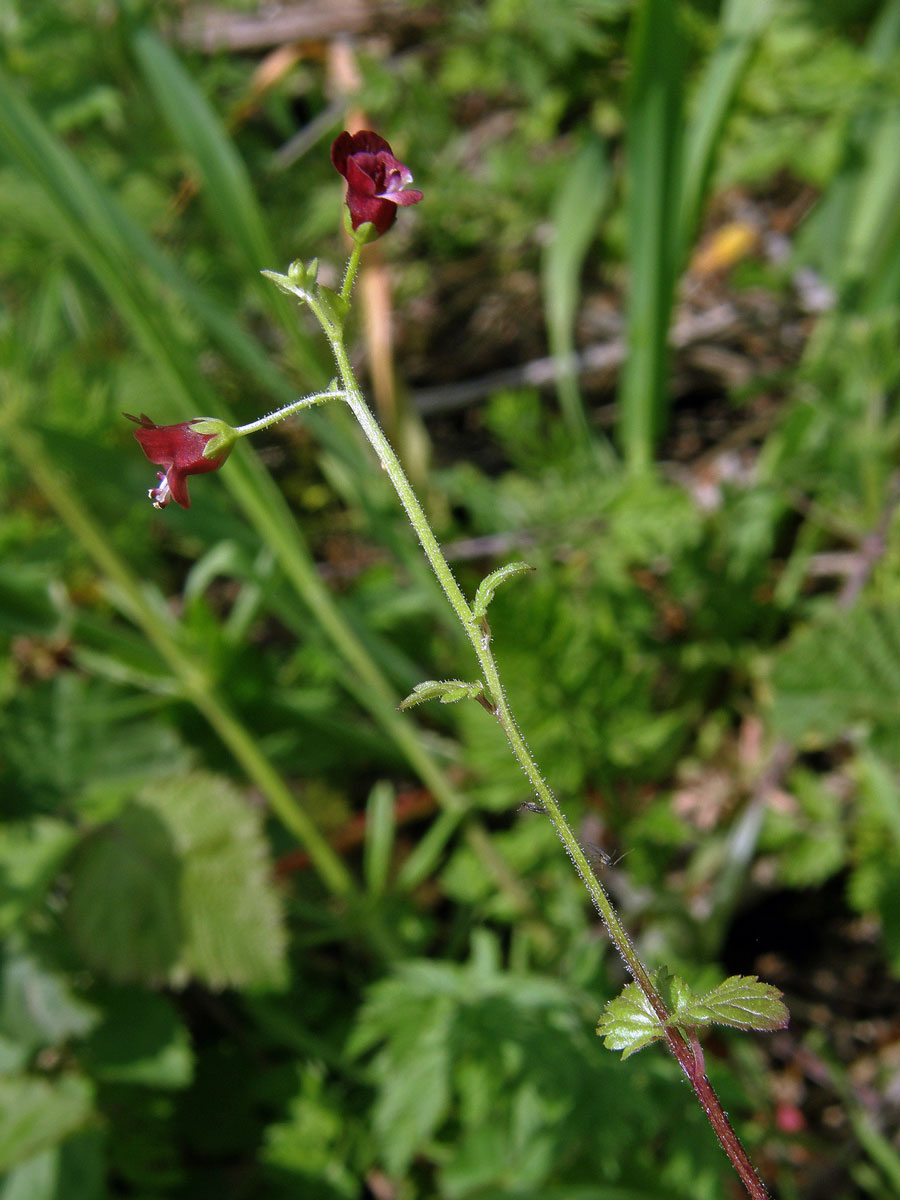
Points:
(741, 1001)
(629, 1023)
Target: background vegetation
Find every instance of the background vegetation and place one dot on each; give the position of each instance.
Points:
(264, 935)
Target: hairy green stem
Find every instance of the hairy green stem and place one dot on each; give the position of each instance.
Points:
(687, 1053)
(280, 413)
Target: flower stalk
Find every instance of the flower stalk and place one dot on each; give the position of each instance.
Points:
(687, 1053)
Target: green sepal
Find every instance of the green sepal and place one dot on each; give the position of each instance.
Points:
(629, 1022)
(447, 691)
(223, 436)
(490, 583)
(364, 234)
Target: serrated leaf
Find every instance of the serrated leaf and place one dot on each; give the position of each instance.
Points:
(490, 583)
(124, 908)
(447, 691)
(179, 887)
(36, 1114)
(231, 913)
(629, 1023)
(743, 1002)
(841, 672)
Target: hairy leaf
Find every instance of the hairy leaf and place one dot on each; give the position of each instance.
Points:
(490, 583)
(741, 1001)
(628, 1022)
(447, 691)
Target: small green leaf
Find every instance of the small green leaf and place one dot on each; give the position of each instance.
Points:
(743, 1002)
(284, 282)
(629, 1023)
(490, 583)
(447, 691)
(336, 307)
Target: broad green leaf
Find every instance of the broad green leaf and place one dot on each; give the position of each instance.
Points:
(490, 583)
(231, 914)
(74, 1169)
(447, 691)
(124, 909)
(36, 1114)
(141, 1040)
(839, 675)
(178, 888)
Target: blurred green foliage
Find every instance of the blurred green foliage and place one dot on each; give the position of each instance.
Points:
(190, 1004)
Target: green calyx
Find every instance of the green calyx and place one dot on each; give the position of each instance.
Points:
(222, 438)
(367, 232)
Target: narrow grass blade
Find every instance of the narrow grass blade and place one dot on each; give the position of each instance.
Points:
(653, 204)
(226, 188)
(585, 192)
(740, 26)
(380, 832)
(854, 235)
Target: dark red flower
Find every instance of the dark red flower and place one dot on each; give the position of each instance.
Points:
(181, 449)
(375, 180)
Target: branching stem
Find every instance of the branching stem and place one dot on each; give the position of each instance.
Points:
(687, 1052)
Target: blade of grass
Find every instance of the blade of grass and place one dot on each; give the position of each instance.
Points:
(741, 24)
(380, 831)
(585, 193)
(225, 186)
(653, 204)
